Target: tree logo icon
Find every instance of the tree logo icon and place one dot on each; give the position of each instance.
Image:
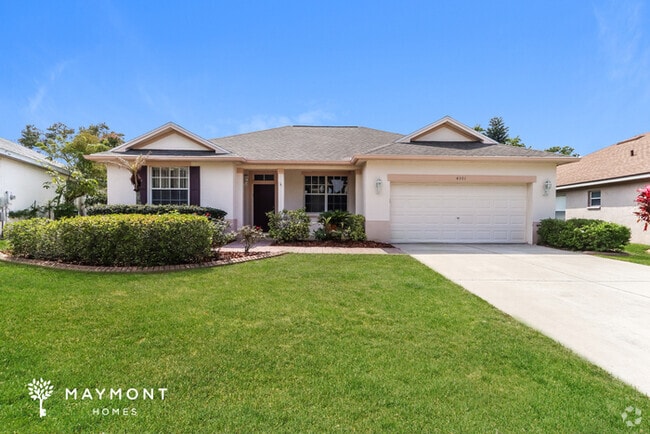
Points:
(40, 390)
(632, 416)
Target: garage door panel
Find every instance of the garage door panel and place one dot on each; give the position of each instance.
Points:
(458, 213)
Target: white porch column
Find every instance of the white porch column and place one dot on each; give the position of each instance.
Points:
(358, 192)
(280, 190)
(238, 201)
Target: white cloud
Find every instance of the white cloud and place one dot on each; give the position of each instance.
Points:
(35, 102)
(622, 39)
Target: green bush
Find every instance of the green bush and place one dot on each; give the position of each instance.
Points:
(65, 209)
(155, 209)
(583, 234)
(115, 240)
(221, 234)
(355, 228)
(341, 225)
(28, 213)
(288, 226)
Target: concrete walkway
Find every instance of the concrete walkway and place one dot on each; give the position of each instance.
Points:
(598, 307)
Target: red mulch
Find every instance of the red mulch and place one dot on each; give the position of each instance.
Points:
(333, 243)
(229, 255)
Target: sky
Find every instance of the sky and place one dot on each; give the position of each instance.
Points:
(559, 73)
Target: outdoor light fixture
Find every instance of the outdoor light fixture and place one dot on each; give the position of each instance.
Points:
(245, 179)
(378, 185)
(547, 187)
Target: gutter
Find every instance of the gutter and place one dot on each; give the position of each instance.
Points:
(603, 182)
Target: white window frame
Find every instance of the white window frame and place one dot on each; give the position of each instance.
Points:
(169, 178)
(325, 192)
(591, 199)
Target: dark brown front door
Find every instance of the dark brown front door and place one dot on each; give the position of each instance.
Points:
(263, 202)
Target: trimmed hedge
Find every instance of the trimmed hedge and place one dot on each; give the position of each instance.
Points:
(114, 240)
(583, 234)
(155, 209)
(288, 226)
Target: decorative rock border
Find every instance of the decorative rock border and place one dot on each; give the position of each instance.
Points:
(157, 269)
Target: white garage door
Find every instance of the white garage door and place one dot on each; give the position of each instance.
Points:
(458, 213)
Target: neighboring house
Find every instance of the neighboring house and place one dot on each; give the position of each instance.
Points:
(22, 174)
(443, 183)
(604, 184)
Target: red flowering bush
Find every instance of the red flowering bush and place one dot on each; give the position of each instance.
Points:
(643, 201)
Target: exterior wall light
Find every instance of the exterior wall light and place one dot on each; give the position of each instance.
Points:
(378, 184)
(245, 179)
(547, 187)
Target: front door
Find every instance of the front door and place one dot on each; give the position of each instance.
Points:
(263, 202)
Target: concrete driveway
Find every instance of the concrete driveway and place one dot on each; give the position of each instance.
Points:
(599, 308)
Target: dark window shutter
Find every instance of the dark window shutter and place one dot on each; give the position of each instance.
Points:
(195, 185)
(144, 179)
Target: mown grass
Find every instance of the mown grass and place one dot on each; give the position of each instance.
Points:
(637, 253)
(299, 343)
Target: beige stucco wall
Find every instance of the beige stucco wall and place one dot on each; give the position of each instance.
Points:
(119, 189)
(217, 185)
(377, 205)
(176, 142)
(617, 205)
(25, 181)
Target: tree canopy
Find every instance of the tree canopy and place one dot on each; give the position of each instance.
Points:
(498, 131)
(62, 144)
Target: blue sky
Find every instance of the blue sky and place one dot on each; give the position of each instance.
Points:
(573, 73)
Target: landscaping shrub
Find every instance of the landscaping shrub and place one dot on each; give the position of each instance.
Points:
(583, 234)
(221, 234)
(28, 213)
(155, 209)
(288, 226)
(341, 226)
(250, 235)
(115, 240)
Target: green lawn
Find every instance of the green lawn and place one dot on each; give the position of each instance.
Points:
(295, 343)
(637, 253)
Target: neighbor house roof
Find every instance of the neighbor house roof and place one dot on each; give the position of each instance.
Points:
(619, 162)
(305, 143)
(18, 152)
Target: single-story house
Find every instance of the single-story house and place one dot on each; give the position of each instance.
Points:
(604, 184)
(22, 175)
(445, 182)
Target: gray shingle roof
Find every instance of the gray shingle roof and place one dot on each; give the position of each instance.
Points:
(458, 149)
(18, 152)
(306, 143)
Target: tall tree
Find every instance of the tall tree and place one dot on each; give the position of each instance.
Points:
(59, 143)
(497, 130)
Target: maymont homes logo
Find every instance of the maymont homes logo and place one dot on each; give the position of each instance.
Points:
(41, 390)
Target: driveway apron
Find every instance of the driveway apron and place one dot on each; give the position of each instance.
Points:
(597, 307)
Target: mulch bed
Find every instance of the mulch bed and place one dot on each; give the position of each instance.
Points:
(225, 258)
(333, 243)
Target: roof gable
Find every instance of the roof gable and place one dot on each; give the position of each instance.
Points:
(446, 129)
(170, 137)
